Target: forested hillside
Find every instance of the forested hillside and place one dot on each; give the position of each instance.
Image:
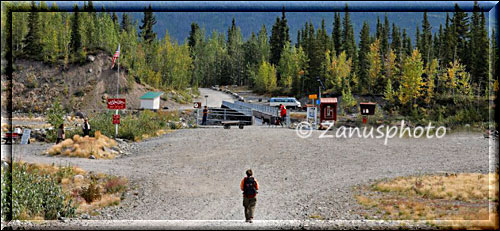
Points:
(413, 74)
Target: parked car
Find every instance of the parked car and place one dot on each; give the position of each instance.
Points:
(288, 102)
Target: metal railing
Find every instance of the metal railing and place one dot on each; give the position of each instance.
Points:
(240, 108)
(216, 116)
(259, 107)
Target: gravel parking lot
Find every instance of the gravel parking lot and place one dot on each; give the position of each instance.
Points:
(194, 174)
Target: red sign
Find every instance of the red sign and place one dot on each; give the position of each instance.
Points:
(116, 119)
(116, 104)
(197, 104)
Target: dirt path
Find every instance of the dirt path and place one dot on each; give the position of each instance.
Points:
(194, 174)
(214, 99)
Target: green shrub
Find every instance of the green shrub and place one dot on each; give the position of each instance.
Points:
(55, 114)
(91, 193)
(36, 194)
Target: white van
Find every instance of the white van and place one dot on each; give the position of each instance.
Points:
(288, 102)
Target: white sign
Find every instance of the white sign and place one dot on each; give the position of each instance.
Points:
(26, 136)
(312, 115)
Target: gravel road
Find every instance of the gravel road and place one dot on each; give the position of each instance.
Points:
(194, 174)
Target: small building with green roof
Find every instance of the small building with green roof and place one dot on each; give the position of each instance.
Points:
(151, 100)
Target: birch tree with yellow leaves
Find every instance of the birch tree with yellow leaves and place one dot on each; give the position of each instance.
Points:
(411, 79)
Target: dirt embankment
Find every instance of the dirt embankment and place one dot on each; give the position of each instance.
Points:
(79, 87)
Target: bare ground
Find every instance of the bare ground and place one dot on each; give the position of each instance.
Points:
(194, 174)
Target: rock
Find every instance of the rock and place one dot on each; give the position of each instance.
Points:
(85, 216)
(79, 177)
(90, 70)
(91, 58)
(92, 157)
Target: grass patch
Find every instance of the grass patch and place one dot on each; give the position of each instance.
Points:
(45, 192)
(450, 200)
(78, 146)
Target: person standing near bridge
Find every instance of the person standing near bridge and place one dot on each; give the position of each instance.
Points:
(249, 186)
(282, 114)
(205, 115)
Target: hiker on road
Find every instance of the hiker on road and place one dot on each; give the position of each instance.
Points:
(86, 127)
(249, 186)
(205, 115)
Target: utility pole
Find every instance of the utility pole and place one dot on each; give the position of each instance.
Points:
(117, 92)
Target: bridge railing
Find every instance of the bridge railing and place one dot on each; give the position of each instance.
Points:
(240, 108)
(259, 107)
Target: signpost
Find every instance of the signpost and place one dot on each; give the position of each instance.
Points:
(116, 104)
(116, 119)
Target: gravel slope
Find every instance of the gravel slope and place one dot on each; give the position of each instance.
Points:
(194, 174)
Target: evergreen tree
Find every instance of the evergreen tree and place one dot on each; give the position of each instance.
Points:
(460, 32)
(396, 44)
(364, 48)
(115, 18)
(448, 46)
(379, 32)
(349, 43)
(426, 40)
(126, 23)
(194, 35)
(337, 34)
(76, 38)
(33, 46)
(407, 47)
(384, 42)
(279, 37)
(147, 33)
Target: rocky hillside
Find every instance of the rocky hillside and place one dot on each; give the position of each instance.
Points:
(78, 87)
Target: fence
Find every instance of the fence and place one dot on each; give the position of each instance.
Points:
(215, 116)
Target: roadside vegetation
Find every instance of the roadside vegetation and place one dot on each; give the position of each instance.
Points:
(459, 200)
(138, 126)
(48, 192)
(134, 126)
(98, 146)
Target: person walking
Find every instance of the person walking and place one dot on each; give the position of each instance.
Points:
(283, 115)
(60, 133)
(205, 115)
(86, 127)
(249, 186)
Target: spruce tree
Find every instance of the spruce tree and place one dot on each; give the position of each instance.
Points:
(379, 32)
(337, 33)
(149, 20)
(426, 40)
(460, 32)
(384, 46)
(396, 44)
(126, 23)
(33, 46)
(194, 35)
(364, 48)
(76, 38)
(279, 37)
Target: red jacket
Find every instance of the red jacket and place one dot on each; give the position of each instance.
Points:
(283, 111)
